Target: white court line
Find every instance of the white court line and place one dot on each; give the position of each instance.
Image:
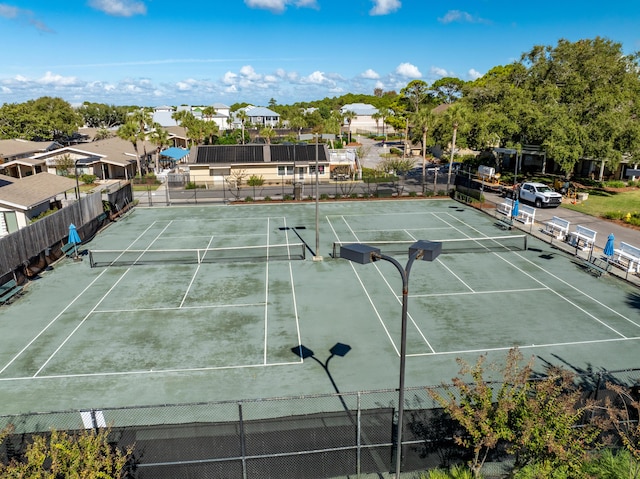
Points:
(155, 371)
(455, 275)
(193, 278)
(78, 326)
(177, 308)
(51, 322)
(266, 298)
(527, 346)
(556, 292)
(101, 299)
(65, 309)
(409, 316)
(467, 293)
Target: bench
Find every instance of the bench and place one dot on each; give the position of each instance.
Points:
(557, 227)
(582, 238)
(69, 249)
(9, 290)
(504, 223)
(526, 214)
(627, 257)
(597, 266)
(505, 207)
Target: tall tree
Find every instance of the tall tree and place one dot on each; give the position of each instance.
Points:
(160, 138)
(415, 93)
(130, 132)
(349, 116)
(447, 89)
(243, 117)
(424, 120)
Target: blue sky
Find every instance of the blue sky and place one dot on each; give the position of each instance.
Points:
(161, 52)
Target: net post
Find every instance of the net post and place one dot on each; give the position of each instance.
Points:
(333, 253)
(91, 263)
(525, 242)
(304, 250)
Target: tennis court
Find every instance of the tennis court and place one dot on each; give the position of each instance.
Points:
(207, 303)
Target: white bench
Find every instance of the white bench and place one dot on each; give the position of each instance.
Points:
(505, 207)
(557, 227)
(582, 238)
(628, 257)
(526, 214)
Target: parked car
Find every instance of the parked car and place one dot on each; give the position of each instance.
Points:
(455, 167)
(540, 195)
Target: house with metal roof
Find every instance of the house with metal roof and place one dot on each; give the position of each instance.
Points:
(259, 116)
(220, 165)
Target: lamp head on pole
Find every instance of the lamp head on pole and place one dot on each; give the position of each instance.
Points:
(360, 253)
(427, 250)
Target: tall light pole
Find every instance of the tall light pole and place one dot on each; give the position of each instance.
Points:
(364, 254)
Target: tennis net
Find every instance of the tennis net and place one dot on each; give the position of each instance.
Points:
(487, 244)
(239, 254)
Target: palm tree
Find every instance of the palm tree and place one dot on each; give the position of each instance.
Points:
(349, 116)
(424, 120)
(377, 117)
(268, 132)
(242, 116)
(160, 138)
(209, 112)
(130, 132)
(384, 114)
(454, 116)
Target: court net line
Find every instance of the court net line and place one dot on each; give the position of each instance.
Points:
(262, 253)
(488, 244)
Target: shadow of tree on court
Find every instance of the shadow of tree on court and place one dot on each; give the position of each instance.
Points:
(633, 300)
(591, 380)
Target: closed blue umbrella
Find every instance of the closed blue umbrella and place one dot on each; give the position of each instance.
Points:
(74, 237)
(608, 248)
(515, 209)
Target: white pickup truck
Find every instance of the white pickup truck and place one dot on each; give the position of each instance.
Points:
(540, 195)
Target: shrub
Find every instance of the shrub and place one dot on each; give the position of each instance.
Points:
(248, 199)
(267, 198)
(190, 186)
(287, 197)
(353, 195)
(442, 193)
(88, 179)
(324, 196)
(337, 196)
(413, 194)
(615, 184)
(613, 215)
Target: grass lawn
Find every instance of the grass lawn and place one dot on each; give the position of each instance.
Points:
(601, 202)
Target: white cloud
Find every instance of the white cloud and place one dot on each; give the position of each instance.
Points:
(279, 6)
(229, 78)
(461, 17)
(384, 7)
(408, 70)
(370, 74)
(440, 72)
(474, 74)
(317, 78)
(249, 73)
(57, 80)
(119, 8)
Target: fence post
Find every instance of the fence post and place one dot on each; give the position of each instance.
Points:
(359, 435)
(242, 442)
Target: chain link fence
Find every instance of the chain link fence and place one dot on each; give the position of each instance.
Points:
(323, 436)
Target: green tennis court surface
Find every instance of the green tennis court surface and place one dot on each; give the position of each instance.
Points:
(192, 304)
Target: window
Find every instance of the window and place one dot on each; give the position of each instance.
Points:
(312, 169)
(285, 170)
